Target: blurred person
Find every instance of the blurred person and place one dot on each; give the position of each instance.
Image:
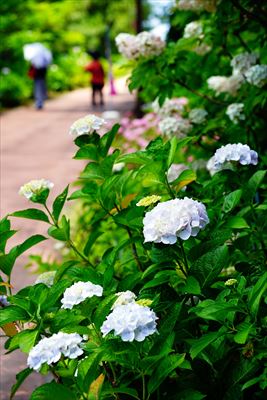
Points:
(39, 78)
(98, 77)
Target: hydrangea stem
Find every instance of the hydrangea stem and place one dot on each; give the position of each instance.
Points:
(184, 256)
(68, 242)
(143, 387)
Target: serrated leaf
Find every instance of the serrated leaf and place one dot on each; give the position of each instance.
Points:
(20, 378)
(87, 152)
(237, 223)
(12, 314)
(243, 331)
(52, 390)
(139, 157)
(107, 139)
(172, 151)
(184, 179)
(7, 261)
(88, 369)
(208, 266)
(253, 184)
(255, 296)
(27, 339)
(192, 286)
(198, 345)
(95, 387)
(63, 232)
(251, 382)
(31, 213)
(214, 310)
(103, 309)
(59, 203)
(4, 238)
(165, 367)
(123, 390)
(232, 200)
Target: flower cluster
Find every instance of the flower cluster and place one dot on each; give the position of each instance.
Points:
(257, 75)
(235, 152)
(175, 126)
(170, 107)
(225, 84)
(178, 218)
(79, 292)
(137, 131)
(193, 30)
(145, 44)
(242, 62)
(124, 298)
(49, 350)
(35, 187)
(197, 5)
(198, 115)
(86, 125)
(131, 322)
(235, 112)
(47, 278)
(148, 200)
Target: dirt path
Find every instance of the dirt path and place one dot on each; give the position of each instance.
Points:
(34, 145)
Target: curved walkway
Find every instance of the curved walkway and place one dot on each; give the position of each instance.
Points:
(34, 145)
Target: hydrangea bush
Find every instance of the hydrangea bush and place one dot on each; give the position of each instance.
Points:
(162, 292)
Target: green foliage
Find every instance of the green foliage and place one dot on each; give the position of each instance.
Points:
(208, 292)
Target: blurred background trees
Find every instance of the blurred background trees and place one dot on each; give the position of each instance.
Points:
(68, 29)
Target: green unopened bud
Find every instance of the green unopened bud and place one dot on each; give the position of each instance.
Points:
(144, 302)
(230, 282)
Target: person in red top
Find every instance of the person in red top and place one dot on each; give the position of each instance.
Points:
(98, 77)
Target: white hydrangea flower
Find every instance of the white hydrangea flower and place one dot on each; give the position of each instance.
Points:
(212, 169)
(144, 44)
(47, 278)
(79, 292)
(193, 30)
(197, 5)
(3, 300)
(257, 75)
(198, 115)
(127, 45)
(242, 62)
(174, 171)
(171, 126)
(170, 107)
(124, 298)
(178, 218)
(131, 322)
(225, 84)
(149, 44)
(235, 112)
(86, 125)
(36, 187)
(49, 350)
(235, 152)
